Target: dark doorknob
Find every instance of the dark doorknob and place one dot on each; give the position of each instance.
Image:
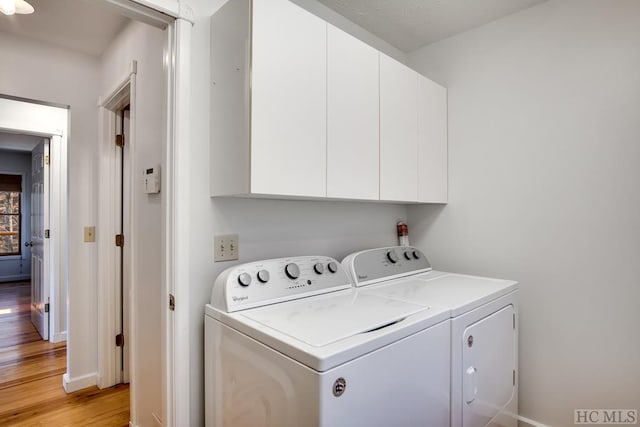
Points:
(28, 244)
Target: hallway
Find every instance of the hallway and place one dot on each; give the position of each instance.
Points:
(31, 370)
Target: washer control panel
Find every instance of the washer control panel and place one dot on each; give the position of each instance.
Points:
(277, 280)
(377, 265)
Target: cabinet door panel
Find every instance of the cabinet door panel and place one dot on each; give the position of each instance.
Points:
(432, 145)
(352, 117)
(398, 131)
(288, 100)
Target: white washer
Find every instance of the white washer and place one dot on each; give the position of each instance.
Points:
(290, 343)
(484, 327)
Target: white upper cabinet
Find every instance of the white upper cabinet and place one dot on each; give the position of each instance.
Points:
(352, 117)
(300, 109)
(432, 144)
(288, 100)
(398, 131)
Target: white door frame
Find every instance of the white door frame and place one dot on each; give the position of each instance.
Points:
(177, 19)
(33, 117)
(108, 227)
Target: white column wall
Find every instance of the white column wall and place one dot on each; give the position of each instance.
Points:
(144, 44)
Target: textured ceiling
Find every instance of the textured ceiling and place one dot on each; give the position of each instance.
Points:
(80, 25)
(410, 24)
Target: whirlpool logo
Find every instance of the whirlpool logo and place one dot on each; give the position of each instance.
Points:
(605, 416)
(239, 299)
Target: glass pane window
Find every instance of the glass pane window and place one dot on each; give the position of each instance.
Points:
(9, 223)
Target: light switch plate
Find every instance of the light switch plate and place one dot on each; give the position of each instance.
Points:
(226, 247)
(89, 234)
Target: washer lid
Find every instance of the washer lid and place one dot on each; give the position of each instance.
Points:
(458, 292)
(327, 319)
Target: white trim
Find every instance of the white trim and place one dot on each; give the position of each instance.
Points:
(58, 223)
(178, 345)
(59, 337)
(108, 280)
(106, 252)
(531, 422)
(32, 118)
(74, 384)
(157, 13)
(129, 258)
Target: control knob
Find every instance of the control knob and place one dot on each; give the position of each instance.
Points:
(263, 276)
(292, 270)
(392, 257)
(244, 279)
(407, 255)
(332, 266)
(416, 254)
(318, 268)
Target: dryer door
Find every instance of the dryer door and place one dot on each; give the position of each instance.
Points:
(488, 363)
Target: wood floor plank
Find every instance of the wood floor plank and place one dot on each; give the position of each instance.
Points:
(31, 369)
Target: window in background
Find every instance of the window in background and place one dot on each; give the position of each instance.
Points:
(10, 214)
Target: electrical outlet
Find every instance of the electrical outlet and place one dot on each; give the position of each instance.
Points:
(89, 234)
(226, 247)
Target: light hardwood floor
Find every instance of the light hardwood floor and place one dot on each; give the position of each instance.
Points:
(31, 392)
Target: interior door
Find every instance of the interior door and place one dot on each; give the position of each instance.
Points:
(123, 267)
(40, 223)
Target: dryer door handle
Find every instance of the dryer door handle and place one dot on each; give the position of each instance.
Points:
(471, 385)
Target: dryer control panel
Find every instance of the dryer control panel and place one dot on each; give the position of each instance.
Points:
(377, 265)
(277, 280)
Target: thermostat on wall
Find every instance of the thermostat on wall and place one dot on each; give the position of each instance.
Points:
(151, 180)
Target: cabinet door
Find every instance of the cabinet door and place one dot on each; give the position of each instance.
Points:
(398, 131)
(352, 117)
(288, 100)
(432, 141)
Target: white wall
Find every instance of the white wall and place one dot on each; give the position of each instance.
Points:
(266, 228)
(36, 70)
(145, 45)
(543, 188)
(18, 267)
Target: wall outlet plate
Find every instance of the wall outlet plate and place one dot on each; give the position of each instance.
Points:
(225, 247)
(90, 234)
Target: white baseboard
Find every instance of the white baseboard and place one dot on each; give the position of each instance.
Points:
(527, 422)
(74, 384)
(59, 337)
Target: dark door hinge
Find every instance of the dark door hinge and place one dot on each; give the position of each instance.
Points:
(47, 160)
(120, 240)
(172, 302)
(119, 140)
(120, 340)
(514, 377)
(46, 308)
(46, 233)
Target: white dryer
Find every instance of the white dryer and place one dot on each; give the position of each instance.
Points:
(290, 343)
(484, 327)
